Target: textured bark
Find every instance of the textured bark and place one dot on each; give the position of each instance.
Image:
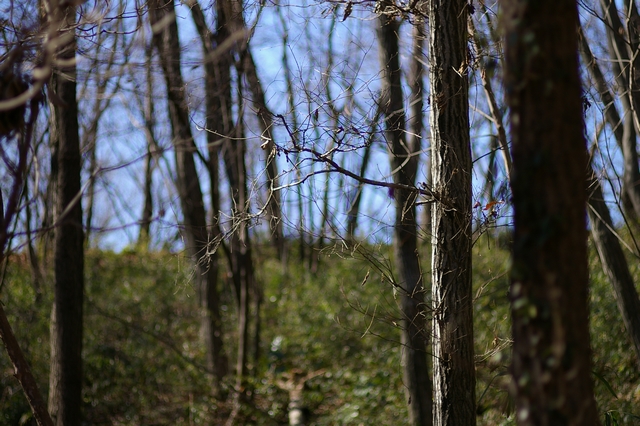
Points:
(162, 18)
(454, 370)
(613, 261)
(65, 380)
(551, 364)
(403, 158)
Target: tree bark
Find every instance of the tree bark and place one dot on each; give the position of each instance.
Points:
(454, 369)
(551, 364)
(403, 157)
(163, 21)
(65, 380)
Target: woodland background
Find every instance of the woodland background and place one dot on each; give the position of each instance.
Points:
(228, 212)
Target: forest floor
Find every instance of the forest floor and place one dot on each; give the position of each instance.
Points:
(144, 361)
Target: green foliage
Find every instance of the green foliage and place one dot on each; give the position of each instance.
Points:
(616, 375)
(28, 311)
(144, 358)
(492, 331)
(340, 323)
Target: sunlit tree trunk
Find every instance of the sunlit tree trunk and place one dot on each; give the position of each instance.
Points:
(65, 380)
(551, 363)
(454, 370)
(403, 157)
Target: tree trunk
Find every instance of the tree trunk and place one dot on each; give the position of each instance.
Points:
(454, 370)
(149, 114)
(65, 380)
(353, 211)
(162, 18)
(241, 261)
(266, 127)
(611, 255)
(549, 279)
(230, 24)
(403, 157)
(624, 69)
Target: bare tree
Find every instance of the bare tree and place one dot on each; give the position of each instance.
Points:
(403, 155)
(454, 370)
(602, 228)
(65, 383)
(198, 237)
(17, 128)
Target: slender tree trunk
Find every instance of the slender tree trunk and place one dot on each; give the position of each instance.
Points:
(613, 261)
(266, 127)
(242, 264)
(549, 279)
(230, 24)
(602, 230)
(291, 102)
(65, 380)
(354, 208)
(162, 18)
(625, 64)
(454, 369)
(403, 157)
(149, 114)
(22, 371)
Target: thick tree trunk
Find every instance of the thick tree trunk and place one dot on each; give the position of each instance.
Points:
(162, 18)
(454, 370)
(65, 380)
(403, 158)
(549, 279)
